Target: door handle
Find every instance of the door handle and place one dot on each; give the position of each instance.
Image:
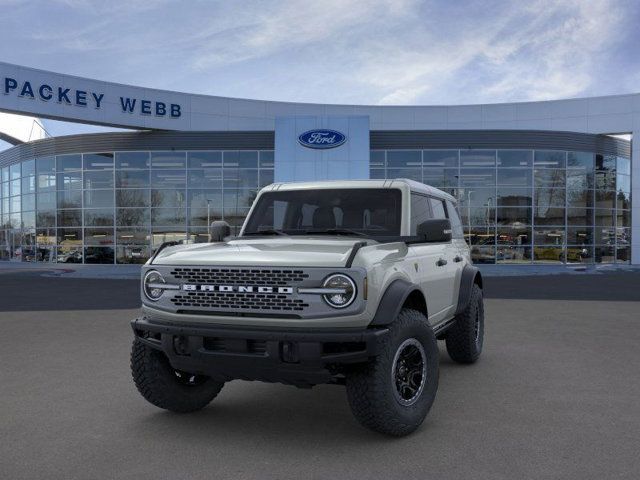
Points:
(457, 258)
(441, 263)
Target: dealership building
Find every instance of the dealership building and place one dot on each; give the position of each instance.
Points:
(537, 182)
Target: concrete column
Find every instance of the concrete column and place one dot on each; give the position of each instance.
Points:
(635, 189)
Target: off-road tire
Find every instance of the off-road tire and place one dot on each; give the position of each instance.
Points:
(370, 388)
(158, 382)
(464, 342)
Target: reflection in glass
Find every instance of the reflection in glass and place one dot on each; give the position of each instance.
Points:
(411, 173)
(68, 162)
(137, 160)
(477, 158)
(605, 199)
(549, 159)
(548, 236)
(604, 254)
(580, 198)
(515, 158)
(513, 254)
(266, 178)
(440, 158)
(132, 254)
(544, 215)
(514, 176)
(168, 198)
(168, 217)
(132, 236)
(168, 160)
(98, 255)
(579, 216)
(513, 216)
(477, 177)
(579, 236)
(132, 178)
(98, 236)
(98, 179)
(404, 159)
(209, 178)
(517, 234)
(133, 216)
(69, 218)
(440, 177)
(98, 217)
(69, 254)
(580, 160)
(132, 198)
(581, 254)
(240, 159)
(168, 178)
(483, 255)
(548, 254)
(97, 161)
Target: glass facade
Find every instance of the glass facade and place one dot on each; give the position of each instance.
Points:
(117, 207)
(528, 206)
(517, 206)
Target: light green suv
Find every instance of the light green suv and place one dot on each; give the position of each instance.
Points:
(341, 282)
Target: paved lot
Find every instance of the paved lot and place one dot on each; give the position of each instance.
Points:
(555, 395)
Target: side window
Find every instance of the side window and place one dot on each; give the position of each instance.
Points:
(420, 211)
(437, 206)
(456, 224)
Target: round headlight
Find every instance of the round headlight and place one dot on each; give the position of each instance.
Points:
(151, 280)
(345, 290)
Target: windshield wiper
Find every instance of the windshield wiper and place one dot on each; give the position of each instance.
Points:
(335, 231)
(267, 231)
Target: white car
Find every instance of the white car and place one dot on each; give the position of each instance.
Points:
(343, 282)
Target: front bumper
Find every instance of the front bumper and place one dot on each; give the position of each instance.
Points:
(271, 355)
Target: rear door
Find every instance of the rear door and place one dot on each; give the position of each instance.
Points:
(452, 267)
(431, 273)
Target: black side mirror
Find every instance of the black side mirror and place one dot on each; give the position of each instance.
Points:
(435, 230)
(219, 230)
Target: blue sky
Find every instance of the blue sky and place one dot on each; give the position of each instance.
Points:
(335, 51)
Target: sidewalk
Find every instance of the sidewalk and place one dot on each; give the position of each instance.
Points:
(118, 272)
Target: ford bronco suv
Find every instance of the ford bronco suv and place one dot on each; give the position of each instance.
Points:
(341, 282)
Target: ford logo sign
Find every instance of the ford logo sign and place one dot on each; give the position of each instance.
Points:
(322, 138)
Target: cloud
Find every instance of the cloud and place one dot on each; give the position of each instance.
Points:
(337, 51)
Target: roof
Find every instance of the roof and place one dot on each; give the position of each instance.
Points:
(388, 183)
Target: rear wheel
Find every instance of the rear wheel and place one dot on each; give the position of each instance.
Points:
(465, 338)
(165, 387)
(393, 393)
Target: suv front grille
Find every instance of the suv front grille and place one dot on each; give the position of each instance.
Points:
(239, 276)
(238, 301)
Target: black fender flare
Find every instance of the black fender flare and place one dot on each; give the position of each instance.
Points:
(467, 279)
(392, 301)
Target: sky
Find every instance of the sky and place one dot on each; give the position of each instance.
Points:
(379, 52)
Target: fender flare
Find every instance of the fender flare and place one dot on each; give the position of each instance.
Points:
(468, 278)
(392, 301)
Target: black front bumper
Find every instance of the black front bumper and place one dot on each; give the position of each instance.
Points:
(271, 355)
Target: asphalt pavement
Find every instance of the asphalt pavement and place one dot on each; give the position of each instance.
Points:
(555, 395)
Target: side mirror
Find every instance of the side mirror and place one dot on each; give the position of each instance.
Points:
(219, 230)
(435, 230)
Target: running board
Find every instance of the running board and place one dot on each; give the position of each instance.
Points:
(442, 328)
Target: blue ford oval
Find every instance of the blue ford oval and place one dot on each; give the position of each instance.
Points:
(322, 138)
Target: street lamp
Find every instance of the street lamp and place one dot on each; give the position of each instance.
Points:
(209, 219)
(469, 192)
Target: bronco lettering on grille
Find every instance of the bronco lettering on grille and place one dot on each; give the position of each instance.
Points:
(237, 288)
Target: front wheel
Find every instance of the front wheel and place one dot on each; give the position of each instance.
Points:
(393, 393)
(165, 387)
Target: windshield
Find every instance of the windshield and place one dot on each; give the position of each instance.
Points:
(360, 211)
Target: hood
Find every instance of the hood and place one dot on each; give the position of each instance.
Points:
(272, 251)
